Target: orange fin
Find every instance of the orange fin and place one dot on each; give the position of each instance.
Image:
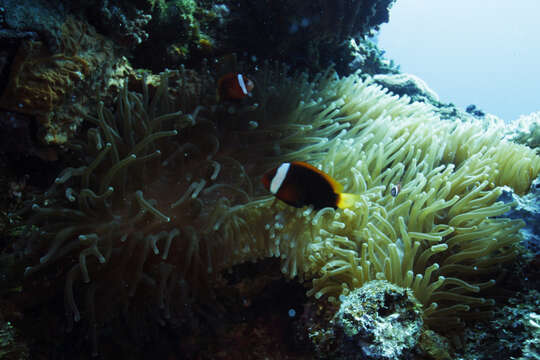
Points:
(347, 200)
(338, 188)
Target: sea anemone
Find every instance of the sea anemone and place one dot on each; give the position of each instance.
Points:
(168, 200)
(143, 217)
(443, 235)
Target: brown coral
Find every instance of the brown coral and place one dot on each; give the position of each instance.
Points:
(55, 87)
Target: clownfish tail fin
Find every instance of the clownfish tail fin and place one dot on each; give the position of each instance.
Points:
(347, 200)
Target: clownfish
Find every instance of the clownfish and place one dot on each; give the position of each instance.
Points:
(234, 86)
(299, 184)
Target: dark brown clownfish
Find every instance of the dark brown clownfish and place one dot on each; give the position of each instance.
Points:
(234, 86)
(300, 184)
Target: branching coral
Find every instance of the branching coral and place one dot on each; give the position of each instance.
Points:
(167, 200)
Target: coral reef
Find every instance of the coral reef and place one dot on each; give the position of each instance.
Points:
(527, 209)
(526, 130)
(311, 34)
(126, 27)
(183, 32)
(418, 91)
(407, 84)
(368, 58)
(512, 334)
(156, 237)
(377, 321)
(434, 346)
(33, 19)
(166, 200)
(54, 87)
(473, 110)
(532, 347)
(306, 33)
(11, 346)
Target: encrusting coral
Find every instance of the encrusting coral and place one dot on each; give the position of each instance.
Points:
(525, 130)
(54, 87)
(377, 321)
(167, 200)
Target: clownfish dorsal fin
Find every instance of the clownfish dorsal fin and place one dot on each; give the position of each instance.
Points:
(338, 188)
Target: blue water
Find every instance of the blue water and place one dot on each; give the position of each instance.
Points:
(483, 52)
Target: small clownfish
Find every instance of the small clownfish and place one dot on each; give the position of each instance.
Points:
(234, 86)
(299, 184)
(394, 191)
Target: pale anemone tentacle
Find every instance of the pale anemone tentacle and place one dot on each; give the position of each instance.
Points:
(432, 237)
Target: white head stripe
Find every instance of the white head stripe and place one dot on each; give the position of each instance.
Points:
(242, 84)
(279, 178)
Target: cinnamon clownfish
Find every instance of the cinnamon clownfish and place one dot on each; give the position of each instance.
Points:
(234, 86)
(300, 184)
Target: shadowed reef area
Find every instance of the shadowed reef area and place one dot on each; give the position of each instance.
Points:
(134, 222)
